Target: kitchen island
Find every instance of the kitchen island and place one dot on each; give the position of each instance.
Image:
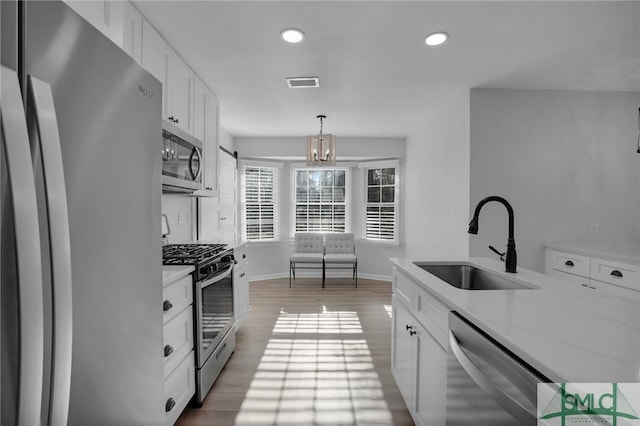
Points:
(565, 334)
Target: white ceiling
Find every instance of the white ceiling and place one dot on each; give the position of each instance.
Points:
(377, 77)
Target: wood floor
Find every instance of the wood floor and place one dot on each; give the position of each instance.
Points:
(307, 356)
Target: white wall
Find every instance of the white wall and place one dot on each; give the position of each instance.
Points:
(177, 206)
(436, 186)
(564, 160)
(270, 260)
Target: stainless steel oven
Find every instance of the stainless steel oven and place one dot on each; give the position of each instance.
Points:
(213, 308)
(214, 322)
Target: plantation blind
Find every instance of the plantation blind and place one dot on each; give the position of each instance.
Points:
(259, 199)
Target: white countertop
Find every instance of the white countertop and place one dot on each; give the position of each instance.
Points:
(621, 253)
(172, 273)
(568, 335)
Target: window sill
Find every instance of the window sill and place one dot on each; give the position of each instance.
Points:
(379, 243)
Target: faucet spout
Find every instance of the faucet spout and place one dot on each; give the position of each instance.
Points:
(511, 256)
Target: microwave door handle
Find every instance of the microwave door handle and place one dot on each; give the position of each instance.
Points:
(193, 158)
(40, 101)
(521, 413)
(21, 181)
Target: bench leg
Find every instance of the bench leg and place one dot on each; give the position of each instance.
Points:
(290, 270)
(355, 272)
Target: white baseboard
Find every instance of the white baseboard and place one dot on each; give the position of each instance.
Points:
(317, 275)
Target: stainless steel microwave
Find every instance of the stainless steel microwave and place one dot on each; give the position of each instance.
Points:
(182, 160)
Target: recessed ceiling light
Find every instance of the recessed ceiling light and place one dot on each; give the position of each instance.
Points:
(436, 39)
(292, 35)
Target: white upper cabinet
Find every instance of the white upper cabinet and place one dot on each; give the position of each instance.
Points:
(211, 142)
(200, 107)
(132, 31)
(176, 77)
(105, 15)
(205, 128)
(155, 59)
(181, 84)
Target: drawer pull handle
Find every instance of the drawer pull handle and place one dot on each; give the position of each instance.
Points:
(584, 285)
(168, 350)
(169, 405)
(244, 256)
(242, 275)
(409, 327)
(412, 333)
(568, 263)
(616, 273)
(166, 305)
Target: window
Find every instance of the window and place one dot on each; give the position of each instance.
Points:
(381, 201)
(321, 200)
(260, 215)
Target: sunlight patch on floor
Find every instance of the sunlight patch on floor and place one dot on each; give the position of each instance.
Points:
(307, 381)
(325, 322)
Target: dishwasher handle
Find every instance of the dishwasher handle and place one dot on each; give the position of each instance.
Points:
(521, 413)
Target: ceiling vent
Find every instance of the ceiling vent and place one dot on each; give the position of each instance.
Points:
(302, 82)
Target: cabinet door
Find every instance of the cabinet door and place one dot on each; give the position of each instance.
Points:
(132, 31)
(612, 290)
(181, 85)
(155, 59)
(431, 375)
(211, 141)
(200, 107)
(402, 350)
(105, 15)
(227, 196)
(240, 293)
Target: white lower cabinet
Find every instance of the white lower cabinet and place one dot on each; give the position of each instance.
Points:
(241, 284)
(179, 361)
(418, 358)
(595, 274)
(179, 387)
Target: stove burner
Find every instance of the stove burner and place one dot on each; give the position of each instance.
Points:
(189, 254)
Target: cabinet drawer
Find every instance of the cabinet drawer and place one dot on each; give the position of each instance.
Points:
(179, 387)
(621, 274)
(178, 339)
(432, 313)
(572, 280)
(403, 287)
(176, 297)
(614, 290)
(570, 263)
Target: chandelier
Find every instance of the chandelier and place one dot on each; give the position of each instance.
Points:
(321, 148)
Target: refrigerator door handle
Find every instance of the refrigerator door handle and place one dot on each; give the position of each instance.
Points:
(42, 111)
(15, 141)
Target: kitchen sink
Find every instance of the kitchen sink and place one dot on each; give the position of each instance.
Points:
(468, 277)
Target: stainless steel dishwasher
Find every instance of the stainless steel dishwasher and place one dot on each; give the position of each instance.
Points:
(487, 384)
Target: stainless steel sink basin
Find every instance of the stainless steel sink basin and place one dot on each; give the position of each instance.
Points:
(468, 277)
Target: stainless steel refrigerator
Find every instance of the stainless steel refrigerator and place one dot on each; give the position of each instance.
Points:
(81, 295)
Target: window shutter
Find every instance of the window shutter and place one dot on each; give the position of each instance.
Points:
(321, 199)
(260, 207)
(381, 201)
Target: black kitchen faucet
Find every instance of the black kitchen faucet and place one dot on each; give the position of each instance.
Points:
(511, 259)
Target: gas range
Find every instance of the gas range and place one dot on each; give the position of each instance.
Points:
(208, 259)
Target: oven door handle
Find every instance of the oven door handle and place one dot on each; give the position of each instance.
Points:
(217, 278)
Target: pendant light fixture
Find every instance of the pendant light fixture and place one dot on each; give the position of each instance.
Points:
(321, 148)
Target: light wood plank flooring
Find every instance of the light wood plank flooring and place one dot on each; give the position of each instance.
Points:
(307, 356)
